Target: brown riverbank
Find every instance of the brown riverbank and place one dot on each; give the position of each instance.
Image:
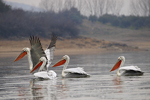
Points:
(70, 46)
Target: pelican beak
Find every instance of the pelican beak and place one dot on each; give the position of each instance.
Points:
(36, 66)
(116, 66)
(61, 62)
(22, 54)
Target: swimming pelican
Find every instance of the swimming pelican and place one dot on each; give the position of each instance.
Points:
(127, 70)
(71, 72)
(49, 74)
(36, 52)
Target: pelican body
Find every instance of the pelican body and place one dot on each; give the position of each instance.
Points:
(49, 74)
(71, 72)
(126, 70)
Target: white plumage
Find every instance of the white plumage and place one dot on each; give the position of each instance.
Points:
(75, 70)
(70, 72)
(126, 70)
(136, 68)
(46, 74)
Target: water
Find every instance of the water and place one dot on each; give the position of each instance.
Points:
(17, 83)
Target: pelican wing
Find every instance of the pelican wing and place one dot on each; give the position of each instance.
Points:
(135, 68)
(36, 50)
(50, 50)
(77, 70)
(130, 71)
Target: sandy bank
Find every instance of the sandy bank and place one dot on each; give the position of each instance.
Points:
(69, 46)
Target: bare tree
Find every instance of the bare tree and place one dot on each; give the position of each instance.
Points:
(114, 6)
(45, 4)
(101, 4)
(69, 4)
(134, 7)
(149, 7)
(145, 6)
(140, 7)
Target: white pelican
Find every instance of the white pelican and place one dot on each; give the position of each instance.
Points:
(127, 70)
(43, 74)
(71, 72)
(36, 52)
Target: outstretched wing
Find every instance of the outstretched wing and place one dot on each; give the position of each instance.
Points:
(36, 49)
(50, 49)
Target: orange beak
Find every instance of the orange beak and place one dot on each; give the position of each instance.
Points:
(36, 66)
(116, 66)
(61, 62)
(22, 54)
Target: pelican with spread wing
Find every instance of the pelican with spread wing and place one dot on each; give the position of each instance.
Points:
(70, 72)
(36, 52)
(126, 70)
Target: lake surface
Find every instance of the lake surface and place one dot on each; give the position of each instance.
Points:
(17, 83)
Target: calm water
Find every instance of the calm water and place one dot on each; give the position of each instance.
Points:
(17, 83)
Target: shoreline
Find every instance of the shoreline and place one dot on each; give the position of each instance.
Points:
(61, 52)
(66, 51)
(76, 46)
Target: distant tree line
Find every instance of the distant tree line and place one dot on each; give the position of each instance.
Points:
(20, 23)
(4, 7)
(133, 22)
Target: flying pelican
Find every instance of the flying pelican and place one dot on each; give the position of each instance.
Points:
(127, 70)
(71, 72)
(49, 74)
(36, 52)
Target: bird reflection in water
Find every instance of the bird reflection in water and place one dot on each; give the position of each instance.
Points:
(43, 89)
(118, 83)
(48, 89)
(62, 88)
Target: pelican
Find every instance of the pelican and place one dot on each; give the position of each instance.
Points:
(49, 74)
(127, 70)
(71, 72)
(36, 52)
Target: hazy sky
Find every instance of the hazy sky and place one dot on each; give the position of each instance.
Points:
(29, 2)
(125, 9)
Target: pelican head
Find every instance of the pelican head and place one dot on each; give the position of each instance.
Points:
(65, 60)
(66, 57)
(122, 58)
(42, 63)
(42, 59)
(119, 63)
(26, 49)
(23, 53)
